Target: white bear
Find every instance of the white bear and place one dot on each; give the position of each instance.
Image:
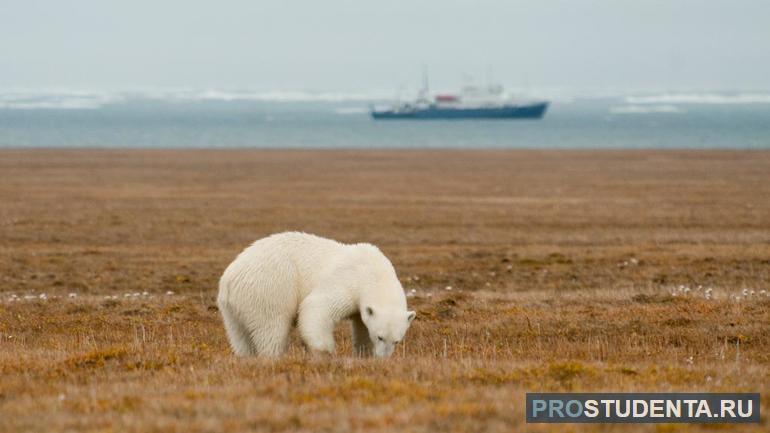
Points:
(300, 278)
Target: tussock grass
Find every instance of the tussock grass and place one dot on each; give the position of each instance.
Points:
(530, 271)
(464, 370)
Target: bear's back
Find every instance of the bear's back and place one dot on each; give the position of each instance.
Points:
(281, 261)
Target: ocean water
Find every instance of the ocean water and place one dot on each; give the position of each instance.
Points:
(317, 120)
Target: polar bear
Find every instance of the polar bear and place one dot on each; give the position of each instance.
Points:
(292, 277)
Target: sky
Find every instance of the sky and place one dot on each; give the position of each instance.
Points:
(362, 45)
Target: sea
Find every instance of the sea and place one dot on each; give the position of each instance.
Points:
(205, 118)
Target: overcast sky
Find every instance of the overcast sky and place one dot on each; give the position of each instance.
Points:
(361, 45)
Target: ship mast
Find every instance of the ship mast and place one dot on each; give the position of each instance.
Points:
(425, 91)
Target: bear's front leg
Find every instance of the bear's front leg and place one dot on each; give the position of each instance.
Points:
(316, 324)
(362, 344)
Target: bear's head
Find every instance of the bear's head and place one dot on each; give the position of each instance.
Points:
(387, 327)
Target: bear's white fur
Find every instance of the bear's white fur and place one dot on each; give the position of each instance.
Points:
(316, 282)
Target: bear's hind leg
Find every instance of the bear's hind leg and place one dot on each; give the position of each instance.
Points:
(271, 339)
(239, 337)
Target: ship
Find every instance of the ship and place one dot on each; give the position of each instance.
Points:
(472, 103)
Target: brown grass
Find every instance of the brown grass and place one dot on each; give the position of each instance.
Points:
(562, 267)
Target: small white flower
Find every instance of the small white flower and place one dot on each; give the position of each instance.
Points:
(448, 288)
(73, 295)
(169, 292)
(145, 294)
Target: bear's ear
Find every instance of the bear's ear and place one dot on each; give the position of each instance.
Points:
(369, 311)
(410, 316)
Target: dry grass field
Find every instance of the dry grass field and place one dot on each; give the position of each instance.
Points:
(530, 271)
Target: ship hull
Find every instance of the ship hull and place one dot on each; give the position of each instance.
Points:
(531, 111)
